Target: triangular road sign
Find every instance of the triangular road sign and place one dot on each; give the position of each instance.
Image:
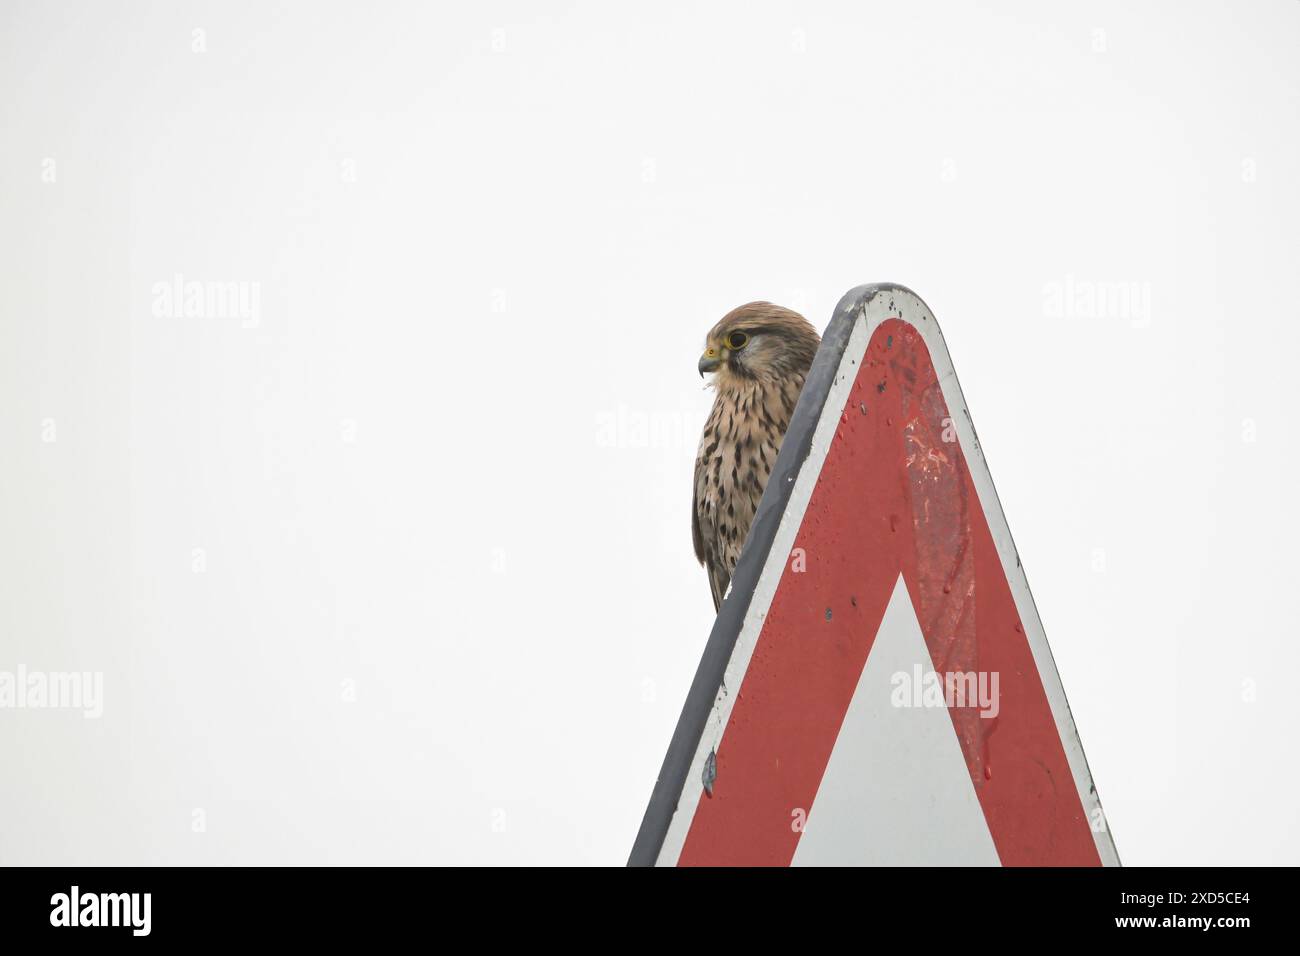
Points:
(877, 687)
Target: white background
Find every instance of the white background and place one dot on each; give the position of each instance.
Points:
(447, 608)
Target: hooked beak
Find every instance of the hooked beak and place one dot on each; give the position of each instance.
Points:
(709, 361)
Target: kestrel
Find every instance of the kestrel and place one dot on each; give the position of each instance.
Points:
(759, 355)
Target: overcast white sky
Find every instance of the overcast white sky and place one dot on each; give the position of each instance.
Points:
(394, 565)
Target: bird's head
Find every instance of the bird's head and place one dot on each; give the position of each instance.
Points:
(758, 342)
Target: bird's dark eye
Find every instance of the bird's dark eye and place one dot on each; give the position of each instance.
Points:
(736, 341)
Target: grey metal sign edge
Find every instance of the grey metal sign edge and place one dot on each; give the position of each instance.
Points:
(731, 616)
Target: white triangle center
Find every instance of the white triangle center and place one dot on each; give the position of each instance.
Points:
(896, 791)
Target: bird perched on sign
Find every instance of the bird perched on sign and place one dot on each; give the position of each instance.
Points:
(759, 355)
